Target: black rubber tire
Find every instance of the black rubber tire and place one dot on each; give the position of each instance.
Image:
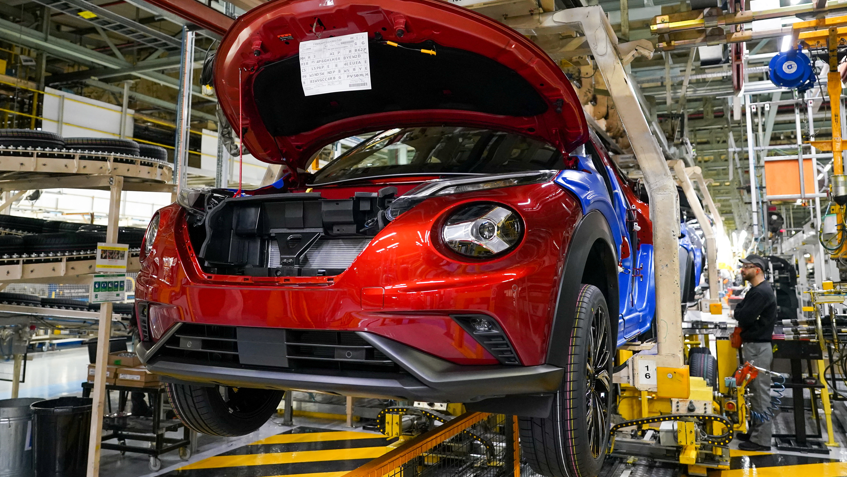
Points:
(123, 308)
(69, 226)
(92, 228)
(153, 152)
(63, 242)
(11, 244)
(103, 145)
(64, 303)
(698, 350)
(703, 365)
(131, 236)
(21, 224)
(560, 444)
(30, 138)
(51, 226)
(19, 299)
(203, 409)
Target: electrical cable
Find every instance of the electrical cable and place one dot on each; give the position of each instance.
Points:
(240, 135)
(776, 401)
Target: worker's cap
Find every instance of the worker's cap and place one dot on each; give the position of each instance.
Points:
(756, 260)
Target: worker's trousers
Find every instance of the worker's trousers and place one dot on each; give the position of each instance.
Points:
(760, 355)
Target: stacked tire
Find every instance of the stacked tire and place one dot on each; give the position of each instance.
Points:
(27, 138)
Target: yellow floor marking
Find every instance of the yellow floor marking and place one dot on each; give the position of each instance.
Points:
(221, 461)
(827, 469)
(316, 437)
(741, 453)
(319, 474)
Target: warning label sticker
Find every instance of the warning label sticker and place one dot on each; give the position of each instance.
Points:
(335, 64)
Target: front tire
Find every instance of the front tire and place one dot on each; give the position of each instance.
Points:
(223, 411)
(572, 441)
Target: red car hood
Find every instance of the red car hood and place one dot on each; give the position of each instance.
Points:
(483, 74)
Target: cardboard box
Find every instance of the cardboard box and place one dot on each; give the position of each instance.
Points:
(127, 359)
(111, 374)
(136, 377)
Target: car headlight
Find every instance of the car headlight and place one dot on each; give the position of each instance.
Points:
(482, 230)
(150, 236)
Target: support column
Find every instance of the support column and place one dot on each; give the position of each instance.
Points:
(16, 375)
(104, 332)
(124, 109)
(664, 200)
(708, 232)
(183, 110)
(61, 119)
(751, 162)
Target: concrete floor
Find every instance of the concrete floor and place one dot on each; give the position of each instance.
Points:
(60, 373)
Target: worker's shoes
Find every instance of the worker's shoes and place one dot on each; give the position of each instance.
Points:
(752, 446)
(743, 436)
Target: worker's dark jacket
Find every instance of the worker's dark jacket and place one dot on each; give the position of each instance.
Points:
(756, 314)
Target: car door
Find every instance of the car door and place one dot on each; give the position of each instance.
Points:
(635, 279)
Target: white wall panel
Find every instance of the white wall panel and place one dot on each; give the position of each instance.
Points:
(84, 117)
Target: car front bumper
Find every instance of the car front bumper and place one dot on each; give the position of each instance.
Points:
(426, 377)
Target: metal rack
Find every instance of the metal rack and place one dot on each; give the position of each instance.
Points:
(49, 267)
(136, 428)
(39, 168)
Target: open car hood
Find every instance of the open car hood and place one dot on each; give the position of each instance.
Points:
(482, 74)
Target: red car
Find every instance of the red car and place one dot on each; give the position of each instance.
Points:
(475, 244)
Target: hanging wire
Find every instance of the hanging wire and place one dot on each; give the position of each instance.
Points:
(776, 402)
(240, 134)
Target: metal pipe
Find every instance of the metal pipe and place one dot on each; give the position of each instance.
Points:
(705, 226)
(124, 109)
(61, 118)
(820, 258)
(183, 110)
(801, 161)
(664, 201)
(751, 163)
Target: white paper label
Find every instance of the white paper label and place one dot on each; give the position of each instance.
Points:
(130, 377)
(335, 64)
(647, 371)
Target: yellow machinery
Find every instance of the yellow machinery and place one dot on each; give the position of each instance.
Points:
(685, 420)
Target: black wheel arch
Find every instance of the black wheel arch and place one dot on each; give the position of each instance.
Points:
(591, 242)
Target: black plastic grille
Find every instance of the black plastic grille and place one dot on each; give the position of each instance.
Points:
(490, 336)
(143, 327)
(305, 350)
(206, 343)
(334, 350)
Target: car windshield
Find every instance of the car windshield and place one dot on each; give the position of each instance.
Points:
(440, 150)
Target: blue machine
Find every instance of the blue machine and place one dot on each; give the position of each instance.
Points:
(792, 69)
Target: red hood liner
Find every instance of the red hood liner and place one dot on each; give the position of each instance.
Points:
(483, 74)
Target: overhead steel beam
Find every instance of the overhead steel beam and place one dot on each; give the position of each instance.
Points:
(112, 21)
(16, 34)
(194, 13)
